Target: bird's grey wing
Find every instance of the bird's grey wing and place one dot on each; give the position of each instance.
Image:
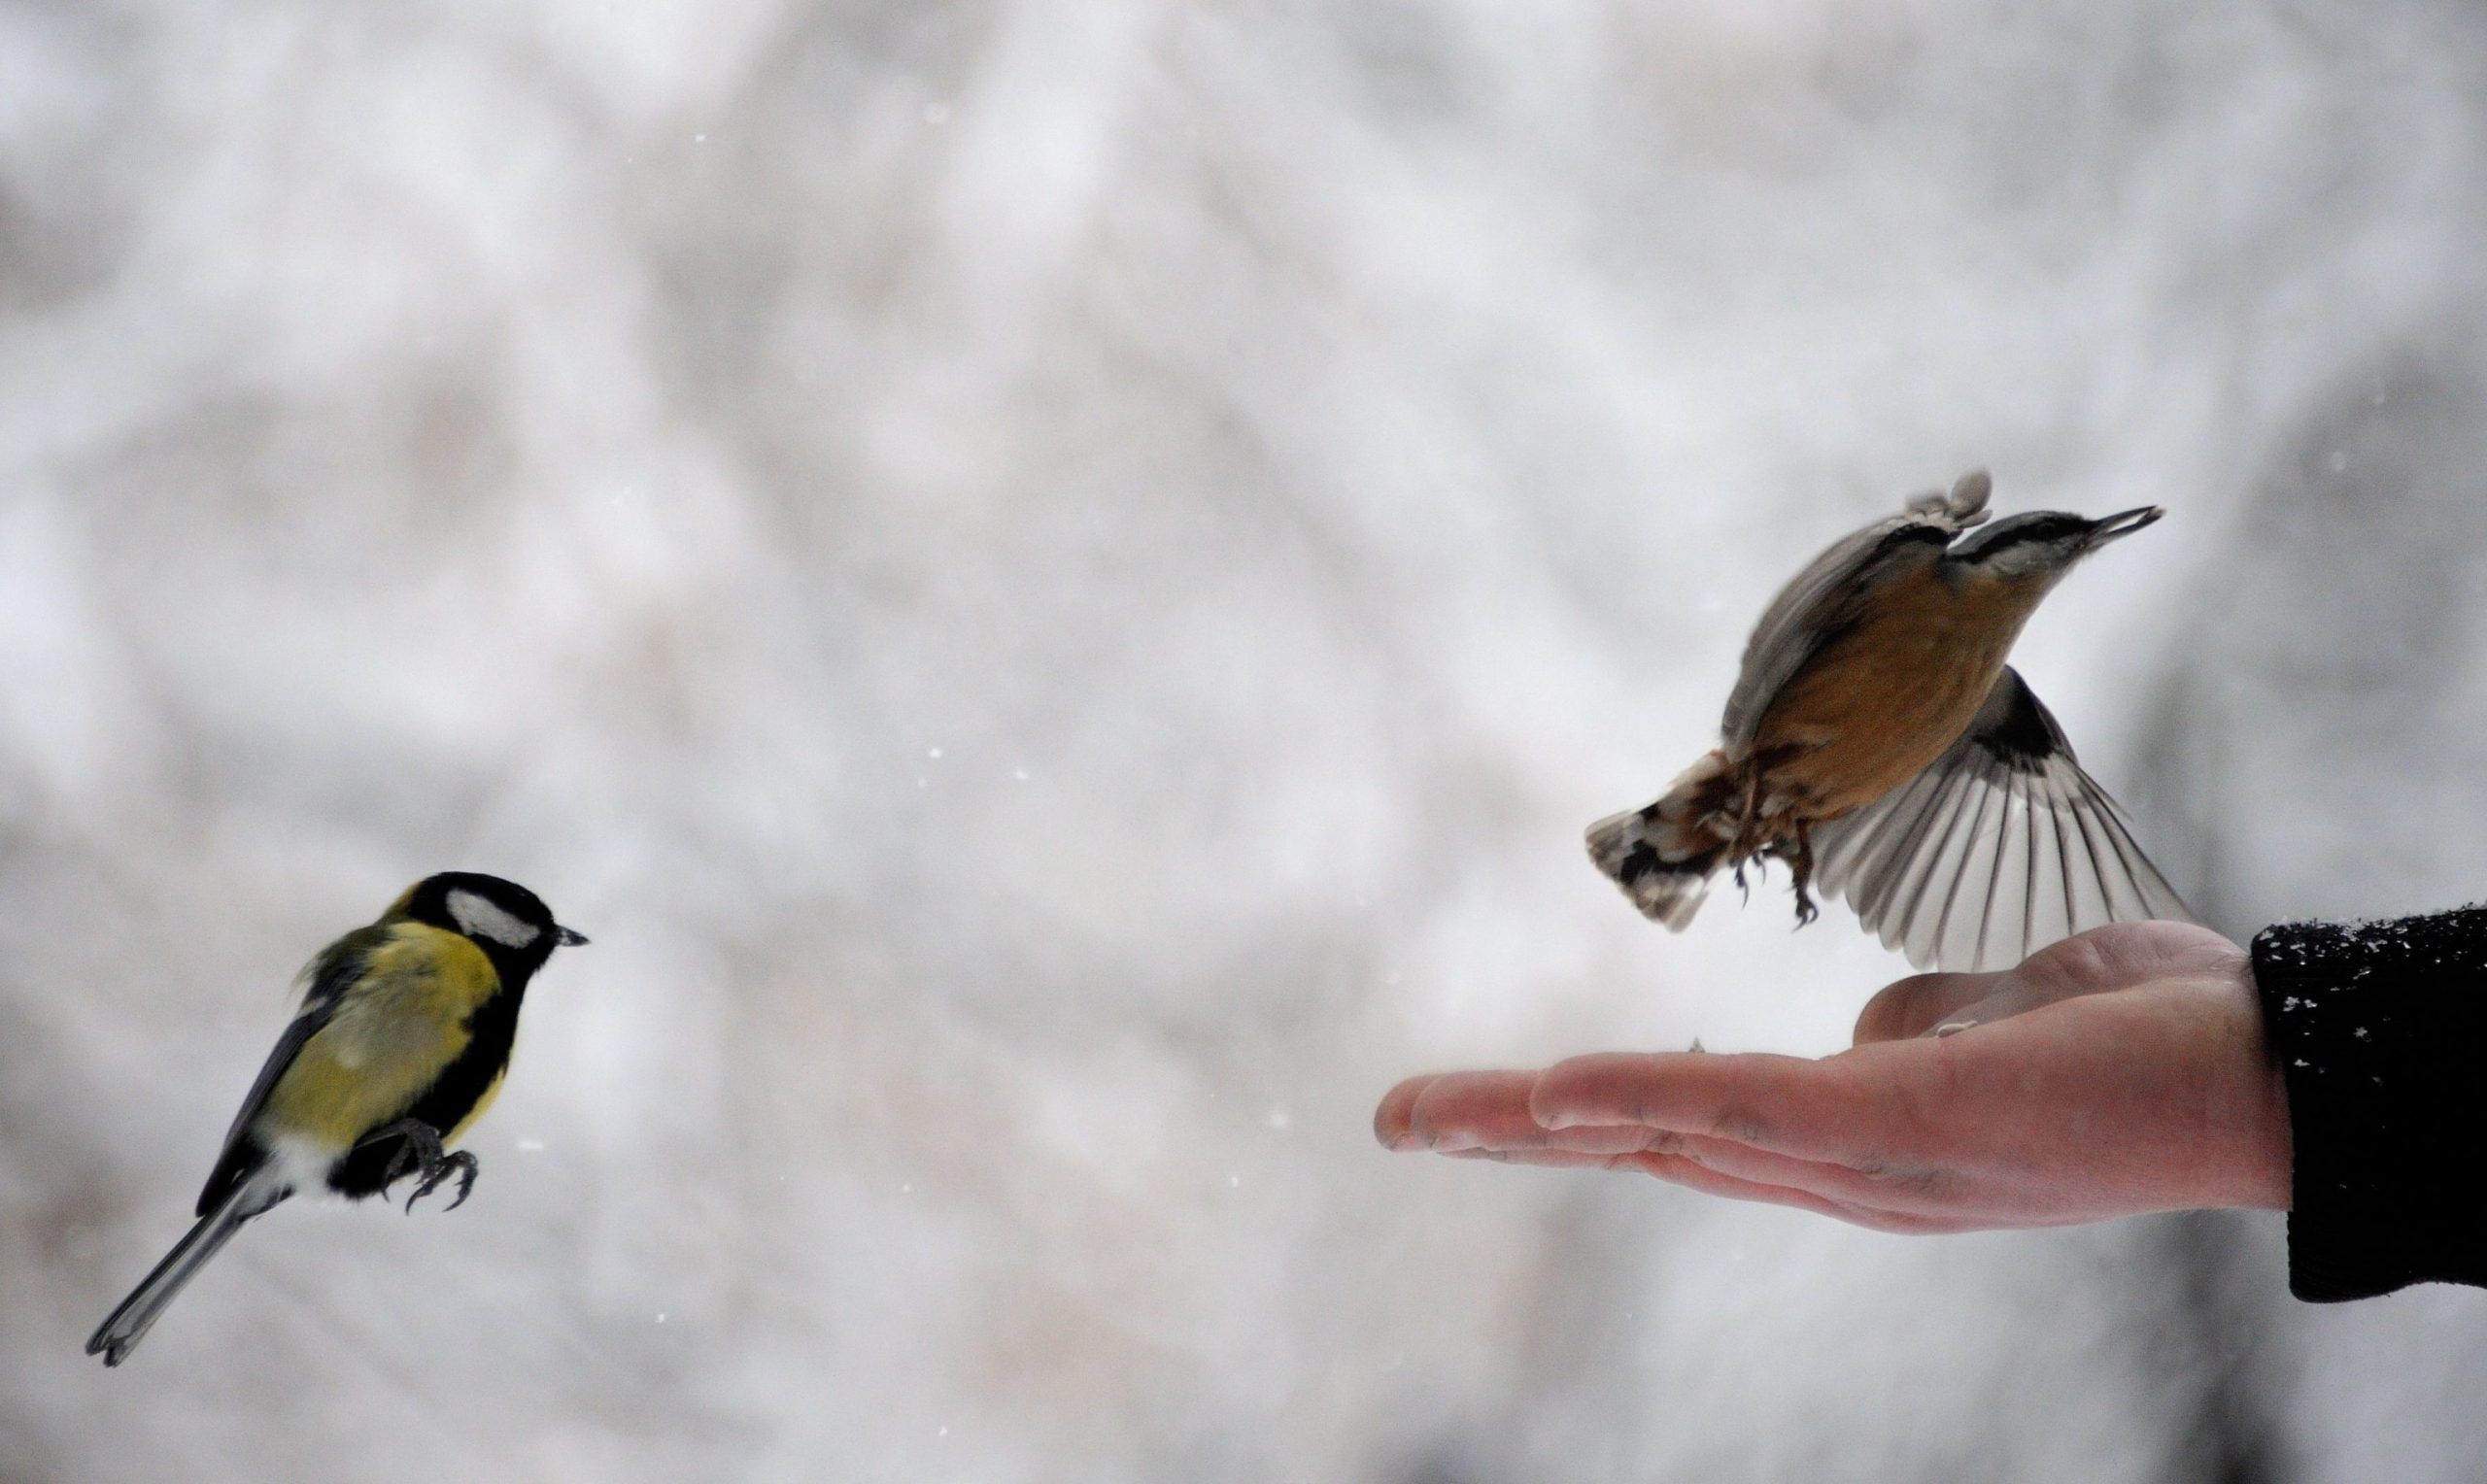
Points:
(1809, 611)
(324, 979)
(1999, 848)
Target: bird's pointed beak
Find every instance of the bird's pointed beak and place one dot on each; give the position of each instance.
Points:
(2122, 522)
(569, 938)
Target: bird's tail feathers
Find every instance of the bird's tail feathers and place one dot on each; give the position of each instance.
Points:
(1664, 854)
(120, 1333)
(1640, 850)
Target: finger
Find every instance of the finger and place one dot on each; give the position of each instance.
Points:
(1813, 1110)
(1475, 1110)
(1675, 1169)
(1459, 1111)
(1917, 1004)
(1664, 1164)
(1551, 1158)
(1591, 1142)
(1479, 1110)
(1693, 1174)
(1390, 1119)
(1922, 1190)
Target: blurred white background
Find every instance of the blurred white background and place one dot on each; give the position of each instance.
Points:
(1054, 584)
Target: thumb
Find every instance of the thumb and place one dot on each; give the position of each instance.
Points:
(1918, 1003)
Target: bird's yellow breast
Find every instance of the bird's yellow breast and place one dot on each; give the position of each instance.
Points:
(399, 1021)
(1893, 692)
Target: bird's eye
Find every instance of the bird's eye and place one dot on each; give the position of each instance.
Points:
(479, 917)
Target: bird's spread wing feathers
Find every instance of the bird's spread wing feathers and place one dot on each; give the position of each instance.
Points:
(1806, 613)
(1999, 848)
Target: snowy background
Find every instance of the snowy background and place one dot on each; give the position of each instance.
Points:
(1054, 584)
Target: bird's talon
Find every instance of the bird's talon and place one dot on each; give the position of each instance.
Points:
(419, 1154)
(1800, 865)
(465, 1164)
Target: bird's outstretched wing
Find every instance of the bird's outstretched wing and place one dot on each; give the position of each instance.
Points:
(2000, 846)
(1807, 612)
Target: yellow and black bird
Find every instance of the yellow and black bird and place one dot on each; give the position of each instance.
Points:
(1875, 734)
(400, 1043)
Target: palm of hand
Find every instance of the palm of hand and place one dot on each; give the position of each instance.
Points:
(2113, 1073)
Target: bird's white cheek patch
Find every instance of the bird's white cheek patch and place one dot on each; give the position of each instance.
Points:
(479, 917)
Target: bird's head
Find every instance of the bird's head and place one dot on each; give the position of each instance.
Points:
(503, 918)
(2044, 543)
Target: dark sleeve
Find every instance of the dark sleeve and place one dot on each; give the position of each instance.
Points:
(2381, 1035)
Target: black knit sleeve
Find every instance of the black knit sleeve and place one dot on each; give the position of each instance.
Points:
(2380, 1031)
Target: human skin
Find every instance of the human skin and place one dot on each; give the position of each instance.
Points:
(2113, 1073)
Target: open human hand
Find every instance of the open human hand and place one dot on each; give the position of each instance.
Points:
(2113, 1073)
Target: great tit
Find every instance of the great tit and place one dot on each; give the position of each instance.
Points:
(399, 1046)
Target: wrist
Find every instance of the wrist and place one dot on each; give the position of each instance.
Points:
(2265, 1160)
(2240, 1116)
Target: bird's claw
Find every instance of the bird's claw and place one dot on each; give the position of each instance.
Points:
(462, 1164)
(417, 1148)
(1800, 865)
(419, 1152)
(1761, 867)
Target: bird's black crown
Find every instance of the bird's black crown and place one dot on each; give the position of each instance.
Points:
(502, 917)
(2035, 528)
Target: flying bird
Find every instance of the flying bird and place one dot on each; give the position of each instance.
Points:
(1878, 744)
(400, 1043)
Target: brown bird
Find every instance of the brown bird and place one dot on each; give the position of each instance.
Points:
(1877, 742)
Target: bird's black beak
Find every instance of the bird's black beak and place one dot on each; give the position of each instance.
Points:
(569, 938)
(2122, 522)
